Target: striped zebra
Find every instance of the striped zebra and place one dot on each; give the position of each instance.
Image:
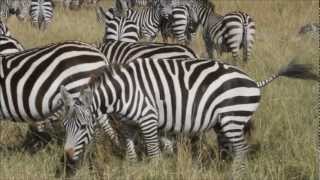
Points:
(123, 52)
(30, 80)
(4, 30)
(184, 23)
(181, 96)
(148, 19)
(41, 12)
(228, 33)
(119, 28)
(9, 45)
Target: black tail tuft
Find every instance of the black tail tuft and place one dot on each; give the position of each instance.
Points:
(301, 71)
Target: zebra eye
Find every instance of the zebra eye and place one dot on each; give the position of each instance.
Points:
(83, 126)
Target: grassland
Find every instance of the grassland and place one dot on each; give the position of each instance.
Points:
(284, 124)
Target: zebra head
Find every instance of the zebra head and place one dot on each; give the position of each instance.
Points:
(78, 123)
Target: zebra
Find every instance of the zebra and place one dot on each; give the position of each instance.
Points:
(30, 80)
(312, 28)
(184, 23)
(119, 28)
(148, 19)
(9, 45)
(41, 12)
(181, 96)
(227, 33)
(4, 30)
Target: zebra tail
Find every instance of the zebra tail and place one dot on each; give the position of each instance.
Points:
(292, 70)
(245, 42)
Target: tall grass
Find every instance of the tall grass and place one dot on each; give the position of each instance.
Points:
(284, 124)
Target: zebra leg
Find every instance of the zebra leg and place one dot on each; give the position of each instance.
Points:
(104, 122)
(235, 134)
(149, 130)
(129, 135)
(209, 48)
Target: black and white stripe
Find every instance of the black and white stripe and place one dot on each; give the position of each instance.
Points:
(30, 79)
(124, 52)
(148, 19)
(183, 96)
(9, 45)
(41, 12)
(184, 23)
(119, 28)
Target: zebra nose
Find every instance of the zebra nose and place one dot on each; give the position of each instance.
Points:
(70, 153)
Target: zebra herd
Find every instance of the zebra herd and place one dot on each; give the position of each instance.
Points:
(40, 12)
(160, 88)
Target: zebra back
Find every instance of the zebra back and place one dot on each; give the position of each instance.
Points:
(123, 52)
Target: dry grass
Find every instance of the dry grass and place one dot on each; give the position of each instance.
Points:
(284, 124)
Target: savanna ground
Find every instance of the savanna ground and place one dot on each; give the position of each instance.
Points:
(285, 123)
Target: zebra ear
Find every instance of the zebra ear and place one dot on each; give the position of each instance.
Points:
(66, 97)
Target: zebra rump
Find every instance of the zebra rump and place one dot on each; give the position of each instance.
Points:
(41, 12)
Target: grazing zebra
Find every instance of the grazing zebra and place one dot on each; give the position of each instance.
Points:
(9, 45)
(119, 28)
(312, 28)
(181, 96)
(41, 12)
(4, 31)
(30, 80)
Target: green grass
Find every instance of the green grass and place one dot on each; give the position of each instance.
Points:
(284, 123)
